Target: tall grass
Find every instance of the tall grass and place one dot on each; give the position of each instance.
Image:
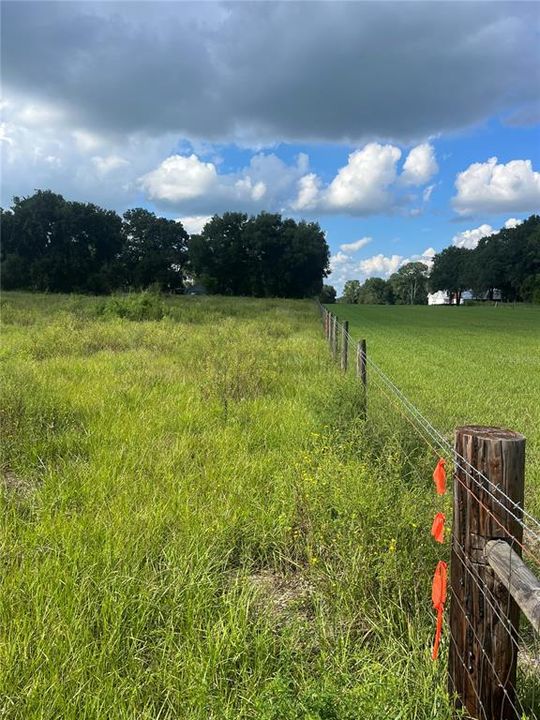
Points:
(197, 525)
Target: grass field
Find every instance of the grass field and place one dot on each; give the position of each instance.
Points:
(461, 366)
(196, 523)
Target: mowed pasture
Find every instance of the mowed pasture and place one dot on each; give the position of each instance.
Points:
(461, 365)
(197, 523)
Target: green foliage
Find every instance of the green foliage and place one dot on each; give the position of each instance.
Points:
(351, 291)
(262, 256)
(409, 284)
(51, 244)
(154, 251)
(507, 261)
(451, 271)
(134, 306)
(328, 294)
(376, 291)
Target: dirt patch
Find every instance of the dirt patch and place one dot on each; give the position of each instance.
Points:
(16, 485)
(285, 597)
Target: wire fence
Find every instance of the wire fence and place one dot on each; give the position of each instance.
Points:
(477, 592)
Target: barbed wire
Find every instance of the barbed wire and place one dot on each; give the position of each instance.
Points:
(463, 470)
(443, 444)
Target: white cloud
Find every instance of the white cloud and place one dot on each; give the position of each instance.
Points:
(180, 177)
(369, 182)
(494, 187)
(193, 224)
(420, 165)
(343, 267)
(356, 245)
(362, 185)
(512, 223)
(426, 195)
(186, 182)
(426, 257)
(470, 238)
(380, 265)
(308, 193)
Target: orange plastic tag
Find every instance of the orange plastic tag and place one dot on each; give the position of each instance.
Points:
(438, 633)
(439, 476)
(437, 529)
(438, 597)
(438, 588)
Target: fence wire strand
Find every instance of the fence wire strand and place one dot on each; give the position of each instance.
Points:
(441, 447)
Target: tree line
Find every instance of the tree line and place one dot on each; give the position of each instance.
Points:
(51, 244)
(508, 261)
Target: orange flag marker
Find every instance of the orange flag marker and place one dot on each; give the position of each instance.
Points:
(439, 476)
(438, 597)
(437, 529)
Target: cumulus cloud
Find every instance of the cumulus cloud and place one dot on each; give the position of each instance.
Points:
(420, 166)
(497, 187)
(195, 69)
(369, 182)
(362, 185)
(74, 161)
(193, 224)
(470, 238)
(512, 223)
(356, 245)
(344, 267)
(308, 193)
(380, 265)
(180, 178)
(185, 182)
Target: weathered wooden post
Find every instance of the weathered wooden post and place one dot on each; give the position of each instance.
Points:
(361, 362)
(335, 338)
(344, 345)
(484, 619)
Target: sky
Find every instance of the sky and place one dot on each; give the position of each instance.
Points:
(401, 127)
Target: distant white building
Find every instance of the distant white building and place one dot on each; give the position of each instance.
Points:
(443, 297)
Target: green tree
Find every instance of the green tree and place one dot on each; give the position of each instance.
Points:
(409, 284)
(351, 291)
(219, 257)
(263, 255)
(328, 295)
(154, 251)
(450, 271)
(51, 244)
(376, 291)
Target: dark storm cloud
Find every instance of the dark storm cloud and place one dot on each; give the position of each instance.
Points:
(260, 72)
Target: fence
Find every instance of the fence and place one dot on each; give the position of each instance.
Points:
(491, 587)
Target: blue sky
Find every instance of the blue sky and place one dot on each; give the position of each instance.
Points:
(401, 127)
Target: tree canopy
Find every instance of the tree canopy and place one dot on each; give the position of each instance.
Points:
(508, 261)
(51, 244)
(410, 284)
(262, 255)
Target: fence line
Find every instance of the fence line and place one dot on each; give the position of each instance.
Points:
(488, 500)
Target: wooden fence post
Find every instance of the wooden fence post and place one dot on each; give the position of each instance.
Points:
(344, 345)
(329, 327)
(484, 619)
(334, 338)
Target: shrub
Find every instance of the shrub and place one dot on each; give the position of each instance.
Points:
(135, 306)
